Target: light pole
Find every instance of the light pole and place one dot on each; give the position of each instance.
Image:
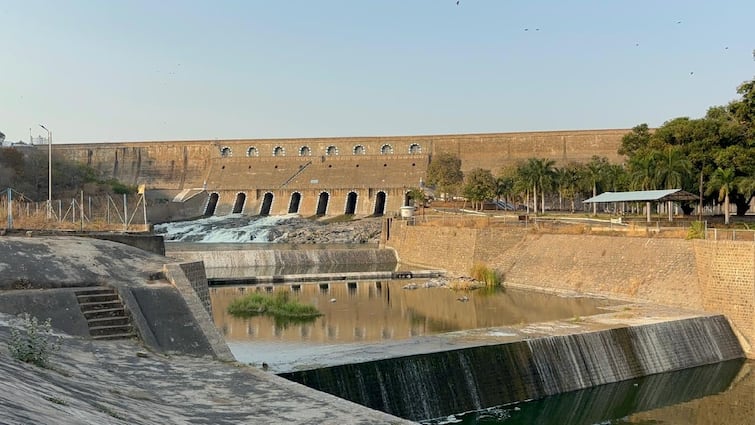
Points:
(49, 168)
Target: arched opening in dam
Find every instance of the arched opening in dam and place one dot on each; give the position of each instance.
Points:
(379, 204)
(322, 203)
(238, 206)
(267, 203)
(212, 203)
(351, 203)
(293, 205)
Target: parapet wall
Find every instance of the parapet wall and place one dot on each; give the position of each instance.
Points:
(715, 276)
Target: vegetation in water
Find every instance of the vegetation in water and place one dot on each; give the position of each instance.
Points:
(483, 273)
(278, 305)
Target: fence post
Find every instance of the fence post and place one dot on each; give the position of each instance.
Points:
(10, 209)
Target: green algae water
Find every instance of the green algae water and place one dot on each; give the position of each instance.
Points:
(722, 393)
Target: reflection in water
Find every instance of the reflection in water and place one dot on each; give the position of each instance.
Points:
(367, 311)
(709, 395)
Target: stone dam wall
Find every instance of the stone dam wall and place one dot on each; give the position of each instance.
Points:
(293, 174)
(705, 275)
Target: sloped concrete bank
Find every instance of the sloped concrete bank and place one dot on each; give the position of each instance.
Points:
(179, 370)
(714, 276)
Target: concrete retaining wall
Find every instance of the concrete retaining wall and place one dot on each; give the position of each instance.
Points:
(715, 276)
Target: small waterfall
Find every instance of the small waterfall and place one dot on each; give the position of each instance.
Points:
(470, 381)
(442, 383)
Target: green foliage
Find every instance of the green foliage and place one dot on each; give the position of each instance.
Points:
(279, 305)
(483, 273)
(696, 230)
(677, 153)
(417, 195)
(34, 344)
(444, 173)
(479, 185)
(121, 188)
(638, 139)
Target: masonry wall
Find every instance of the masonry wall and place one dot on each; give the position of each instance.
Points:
(715, 276)
(727, 275)
(197, 277)
(325, 164)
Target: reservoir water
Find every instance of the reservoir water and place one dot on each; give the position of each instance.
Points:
(368, 312)
(364, 313)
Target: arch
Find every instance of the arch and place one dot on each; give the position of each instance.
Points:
(359, 150)
(267, 203)
(351, 203)
(226, 152)
(305, 151)
(279, 151)
(407, 199)
(252, 151)
(322, 203)
(386, 149)
(415, 149)
(212, 203)
(331, 150)
(293, 205)
(238, 206)
(379, 204)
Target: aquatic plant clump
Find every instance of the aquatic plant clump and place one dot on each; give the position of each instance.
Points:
(483, 273)
(278, 305)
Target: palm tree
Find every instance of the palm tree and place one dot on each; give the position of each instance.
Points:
(539, 173)
(595, 175)
(672, 168)
(642, 171)
(723, 181)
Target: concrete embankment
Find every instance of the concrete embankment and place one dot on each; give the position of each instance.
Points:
(185, 374)
(714, 276)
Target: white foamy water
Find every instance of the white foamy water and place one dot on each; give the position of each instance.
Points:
(232, 228)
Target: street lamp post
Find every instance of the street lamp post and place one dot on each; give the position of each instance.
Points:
(49, 168)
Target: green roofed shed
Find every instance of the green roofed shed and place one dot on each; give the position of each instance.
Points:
(648, 196)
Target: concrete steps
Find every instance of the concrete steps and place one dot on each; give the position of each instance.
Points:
(106, 316)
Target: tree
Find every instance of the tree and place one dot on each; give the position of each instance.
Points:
(723, 182)
(504, 187)
(538, 174)
(672, 168)
(595, 176)
(567, 181)
(417, 195)
(637, 140)
(479, 186)
(444, 173)
(642, 171)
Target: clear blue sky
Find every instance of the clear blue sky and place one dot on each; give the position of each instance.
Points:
(101, 70)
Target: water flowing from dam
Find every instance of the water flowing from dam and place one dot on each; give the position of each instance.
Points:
(232, 228)
(434, 385)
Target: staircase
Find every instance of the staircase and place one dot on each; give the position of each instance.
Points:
(105, 313)
(299, 171)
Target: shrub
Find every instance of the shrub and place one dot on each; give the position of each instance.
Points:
(34, 344)
(696, 230)
(483, 273)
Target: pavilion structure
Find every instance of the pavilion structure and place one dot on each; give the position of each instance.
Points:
(647, 196)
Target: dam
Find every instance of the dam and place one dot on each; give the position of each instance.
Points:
(314, 176)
